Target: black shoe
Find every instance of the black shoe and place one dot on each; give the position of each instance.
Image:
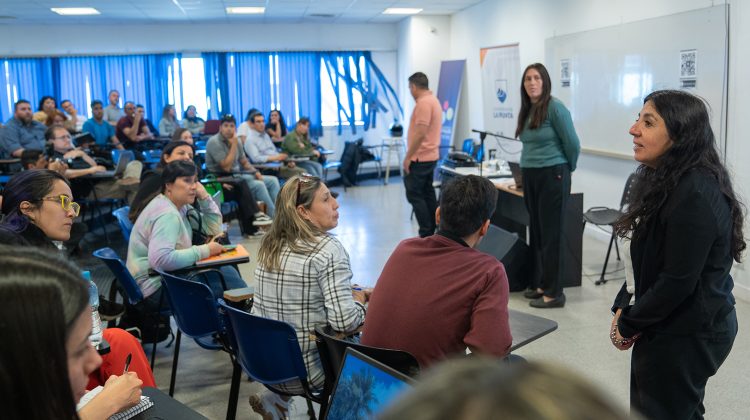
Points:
(559, 302)
(110, 310)
(532, 294)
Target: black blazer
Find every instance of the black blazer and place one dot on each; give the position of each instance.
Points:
(31, 236)
(681, 261)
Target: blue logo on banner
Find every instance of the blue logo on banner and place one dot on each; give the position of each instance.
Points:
(501, 95)
(501, 90)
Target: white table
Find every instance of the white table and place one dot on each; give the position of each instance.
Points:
(390, 144)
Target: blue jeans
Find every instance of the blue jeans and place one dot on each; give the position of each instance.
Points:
(265, 190)
(312, 167)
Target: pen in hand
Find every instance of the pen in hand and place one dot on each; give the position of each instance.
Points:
(127, 363)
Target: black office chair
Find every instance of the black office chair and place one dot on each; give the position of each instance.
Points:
(605, 216)
(332, 348)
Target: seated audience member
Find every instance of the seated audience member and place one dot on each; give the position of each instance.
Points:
(445, 294)
(113, 112)
(76, 121)
(56, 117)
(162, 236)
(249, 214)
(298, 142)
(99, 128)
(244, 129)
(304, 277)
(36, 159)
(46, 316)
(151, 127)
(168, 123)
(22, 131)
(260, 149)
(192, 122)
(482, 389)
(276, 127)
(183, 134)
(225, 155)
(132, 128)
(81, 164)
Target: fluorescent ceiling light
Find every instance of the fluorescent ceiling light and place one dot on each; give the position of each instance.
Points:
(246, 10)
(401, 11)
(75, 11)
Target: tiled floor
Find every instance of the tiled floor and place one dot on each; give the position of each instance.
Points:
(374, 218)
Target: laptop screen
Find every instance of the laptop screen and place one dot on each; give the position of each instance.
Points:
(364, 387)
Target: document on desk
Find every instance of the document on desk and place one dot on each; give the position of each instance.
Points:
(229, 255)
(486, 172)
(142, 406)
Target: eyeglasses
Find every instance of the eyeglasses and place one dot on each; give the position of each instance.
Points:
(65, 137)
(66, 203)
(304, 179)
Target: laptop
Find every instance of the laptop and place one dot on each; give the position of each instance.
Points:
(349, 400)
(124, 158)
(515, 170)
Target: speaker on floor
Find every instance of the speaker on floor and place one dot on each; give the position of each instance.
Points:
(513, 252)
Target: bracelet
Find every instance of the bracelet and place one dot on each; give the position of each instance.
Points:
(618, 342)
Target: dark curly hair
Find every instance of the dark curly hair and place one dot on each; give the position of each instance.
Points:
(694, 147)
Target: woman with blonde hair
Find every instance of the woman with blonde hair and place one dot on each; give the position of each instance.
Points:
(304, 276)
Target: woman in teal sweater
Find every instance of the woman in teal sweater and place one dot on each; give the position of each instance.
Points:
(549, 155)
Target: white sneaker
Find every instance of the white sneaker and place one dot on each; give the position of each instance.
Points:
(262, 220)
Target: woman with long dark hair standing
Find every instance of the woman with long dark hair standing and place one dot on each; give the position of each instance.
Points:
(685, 222)
(549, 155)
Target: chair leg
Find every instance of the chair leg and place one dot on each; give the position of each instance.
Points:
(310, 409)
(174, 363)
(606, 260)
(234, 390)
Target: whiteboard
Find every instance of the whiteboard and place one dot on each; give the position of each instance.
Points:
(610, 70)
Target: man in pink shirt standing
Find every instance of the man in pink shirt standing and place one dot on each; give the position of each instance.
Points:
(423, 140)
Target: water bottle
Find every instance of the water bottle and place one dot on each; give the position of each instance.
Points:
(96, 322)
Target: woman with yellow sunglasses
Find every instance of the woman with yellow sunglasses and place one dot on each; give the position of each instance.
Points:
(38, 208)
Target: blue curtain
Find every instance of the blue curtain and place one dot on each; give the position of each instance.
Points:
(217, 88)
(30, 79)
(351, 72)
(299, 88)
(249, 80)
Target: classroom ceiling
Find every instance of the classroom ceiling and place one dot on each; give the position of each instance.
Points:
(18, 12)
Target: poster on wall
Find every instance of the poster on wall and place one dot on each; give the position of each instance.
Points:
(501, 84)
(448, 93)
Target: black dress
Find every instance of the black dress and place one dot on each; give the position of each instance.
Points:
(684, 306)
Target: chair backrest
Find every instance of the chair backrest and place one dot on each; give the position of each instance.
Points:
(267, 350)
(200, 144)
(211, 127)
(626, 192)
(468, 146)
(117, 267)
(126, 226)
(194, 307)
(332, 349)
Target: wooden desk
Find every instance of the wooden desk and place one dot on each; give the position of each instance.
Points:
(511, 215)
(526, 328)
(166, 408)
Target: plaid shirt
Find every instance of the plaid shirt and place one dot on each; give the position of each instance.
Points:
(310, 289)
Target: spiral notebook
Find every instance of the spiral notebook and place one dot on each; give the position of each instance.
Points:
(142, 406)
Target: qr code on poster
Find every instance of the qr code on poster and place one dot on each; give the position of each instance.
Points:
(688, 64)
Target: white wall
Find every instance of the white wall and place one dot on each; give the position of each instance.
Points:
(530, 22)
(424, 41)
(47, 40)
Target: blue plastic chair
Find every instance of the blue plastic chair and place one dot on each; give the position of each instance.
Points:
(269, 353)
(200, 144)
(126, 226)
(468, 146)
(129, 286)
(196, 313)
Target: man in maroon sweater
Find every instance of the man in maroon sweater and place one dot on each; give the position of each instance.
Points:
(438, 295)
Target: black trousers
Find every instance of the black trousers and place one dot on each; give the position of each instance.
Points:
(546, 192)
(246, 203)
(421, 195)
(668, 373)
